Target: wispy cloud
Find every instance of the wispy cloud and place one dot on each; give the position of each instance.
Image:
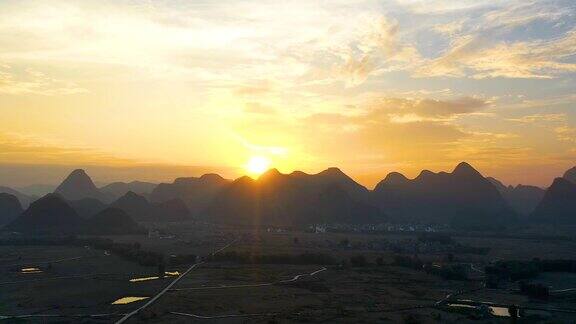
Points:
(538, 118)
(486, 44)
(31, 81)
(566, 133)
(390, 82)
(476, 57)
(559, 124)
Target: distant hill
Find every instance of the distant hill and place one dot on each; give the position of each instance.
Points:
(25, 200)
(294, 199)
(134, 205)
(570, 175)
(78, 185)
(462, 198)
(111, 221)
(50, 213)
(558, 207)
(196, 193)
(523, 199)
(332, 177)
(335, 204)
(140, 209)
(10, 208)
(119, 189)
(87, 207)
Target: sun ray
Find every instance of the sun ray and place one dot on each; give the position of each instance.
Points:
(258, 165)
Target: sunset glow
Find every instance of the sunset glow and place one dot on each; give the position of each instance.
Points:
(257, 165)
(369, 86)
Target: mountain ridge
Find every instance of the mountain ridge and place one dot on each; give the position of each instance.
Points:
(558, 206)
(463, 198)
(78, 185)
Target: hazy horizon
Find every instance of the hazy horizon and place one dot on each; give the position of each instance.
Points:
(21, 176)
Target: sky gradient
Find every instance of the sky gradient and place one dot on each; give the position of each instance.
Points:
(152, 90)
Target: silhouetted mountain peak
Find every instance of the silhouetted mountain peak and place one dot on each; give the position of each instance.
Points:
(135, 205)
(50, 212)
(270, 175)
(10, 208)
(462, 198)
(244, 180)
(131, 196)
(298, 173)
(464, 168)
(116, 190)
(424, 175)
(561, 185)
(394, 178)
(78, 177)
(558, 204)
(78, 173)
(78, 185)
(184, 180)
(570, 175)
(333, 172)
(211, 177)
(524, 187)
(8, 197)
(523, 199)
(25, 200)
(295, 199)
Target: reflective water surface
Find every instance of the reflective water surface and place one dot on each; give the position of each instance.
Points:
(167, 273)
(500, 311)
(30, 270)
(128, 300)
(494, 310)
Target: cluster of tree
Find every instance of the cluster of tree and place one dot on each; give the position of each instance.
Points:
(534, 289)
(175, 260)
(131, 252)
(436, 238)
(459, 248)
(556, 265)
(446, 271)
(521, 270)
(251, 258)
(46, 241)
(408, 262)
(359, 261)
(513, 270)
(446, 239)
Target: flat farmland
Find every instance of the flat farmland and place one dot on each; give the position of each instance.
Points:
(75, 280)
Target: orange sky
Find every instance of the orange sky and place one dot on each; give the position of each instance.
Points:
(158, 89)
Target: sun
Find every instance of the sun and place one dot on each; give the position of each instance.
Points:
(258, 165)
